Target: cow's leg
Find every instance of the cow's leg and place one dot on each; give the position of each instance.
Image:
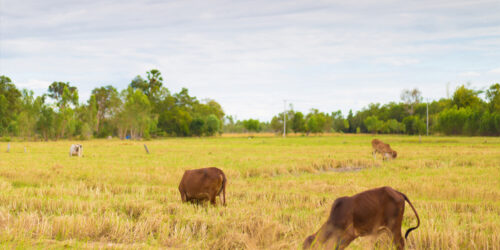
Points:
(374, 155)
(212, 198)
(345, 241)
(397, 238)
(183, 197)
(346, 237)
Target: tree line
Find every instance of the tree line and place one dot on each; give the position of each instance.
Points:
(144, 109)
(467, 112)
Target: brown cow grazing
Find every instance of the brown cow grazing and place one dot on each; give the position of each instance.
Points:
(384, 149)
(366, 213)
(203, 184)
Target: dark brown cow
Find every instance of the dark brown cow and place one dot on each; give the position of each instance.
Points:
(366, 213)
(384, 149)
(203, 184)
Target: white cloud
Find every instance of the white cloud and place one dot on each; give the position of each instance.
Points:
(241, 55)
(34, 84)
(397, 61)
(469, 74)
(496, 71)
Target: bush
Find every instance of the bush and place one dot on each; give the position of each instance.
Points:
(452, 121)
(212, 125)
(373, 124)
(489, 124)
(146, 136)
(5, 139)
(414, 125)
(197, 126)
(393, 126)
(252, 125)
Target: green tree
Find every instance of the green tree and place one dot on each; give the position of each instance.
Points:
(64, 95)
(30, 113)
(197, 126)
(464, 97)
(316, 122)
(175, 121)
(414, 125)
(452, 121)
(184, 100)
(393, 126)
(339, 123)
(135, 117)
(277, 121)
(411, 98)
(106, 98)
(298, 123)
(373, 124)
(151, 86)
(10, 103)
(86, 119)
(493, 96)
(252, 125)
(45, 123)
(209, 107)
(350, 120)
(212, 125)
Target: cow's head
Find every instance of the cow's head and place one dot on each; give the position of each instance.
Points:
(394, 154)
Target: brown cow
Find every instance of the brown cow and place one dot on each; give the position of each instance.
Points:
(384, 149)
(366, 213)
(203, 184)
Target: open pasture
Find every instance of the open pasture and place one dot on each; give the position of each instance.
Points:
(279, 191)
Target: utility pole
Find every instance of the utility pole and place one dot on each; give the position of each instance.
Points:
(284, 118)
(427, 127)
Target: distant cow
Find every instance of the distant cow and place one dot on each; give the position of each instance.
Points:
(76, 150)
(366, 213)
(384, 149)
(203, 184)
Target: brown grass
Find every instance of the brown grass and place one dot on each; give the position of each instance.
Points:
(279, 191)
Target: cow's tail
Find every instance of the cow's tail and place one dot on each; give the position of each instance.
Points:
(415, 211)
(223, 188)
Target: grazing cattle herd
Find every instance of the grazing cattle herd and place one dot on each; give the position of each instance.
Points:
(367, 213)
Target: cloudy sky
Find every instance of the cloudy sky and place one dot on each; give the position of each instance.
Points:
(252, 55)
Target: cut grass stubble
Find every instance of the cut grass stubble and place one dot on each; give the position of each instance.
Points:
(279, 191)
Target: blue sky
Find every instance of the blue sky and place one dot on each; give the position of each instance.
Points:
(251, 55)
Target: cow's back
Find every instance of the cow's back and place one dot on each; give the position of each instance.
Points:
(381, 147)
(375, 208)
(375, 143)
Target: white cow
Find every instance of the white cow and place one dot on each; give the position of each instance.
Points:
(76, 150)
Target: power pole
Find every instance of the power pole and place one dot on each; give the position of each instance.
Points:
(284, 118)
(427, 127)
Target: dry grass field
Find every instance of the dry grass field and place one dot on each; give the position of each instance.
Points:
(279, 191)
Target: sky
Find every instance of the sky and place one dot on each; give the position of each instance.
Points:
(250, 56)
